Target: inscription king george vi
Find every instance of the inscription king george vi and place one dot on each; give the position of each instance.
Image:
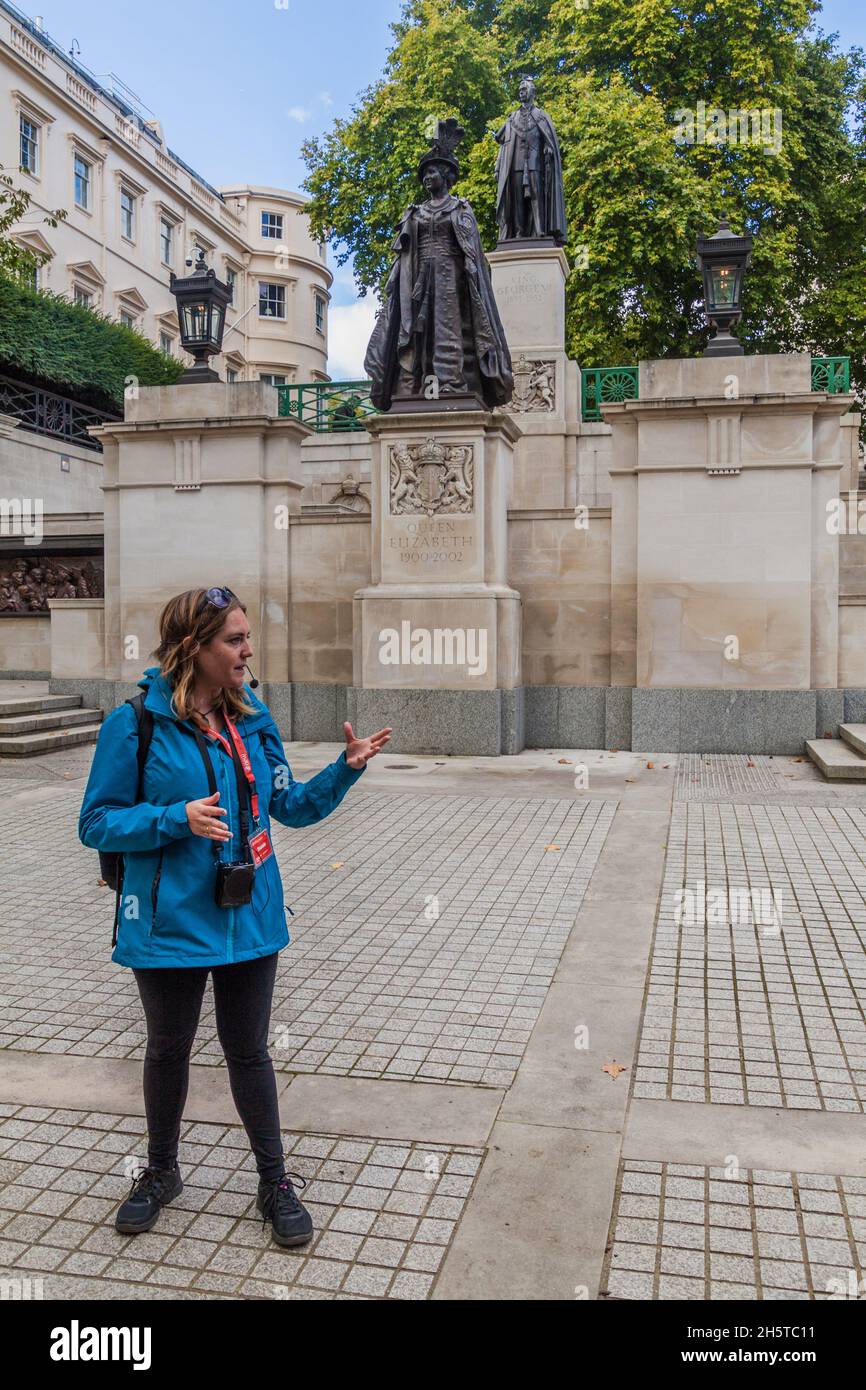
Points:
(432, 479)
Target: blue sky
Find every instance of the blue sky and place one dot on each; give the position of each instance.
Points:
(238, 84)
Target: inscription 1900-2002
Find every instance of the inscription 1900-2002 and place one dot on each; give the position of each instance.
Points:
(432, 542)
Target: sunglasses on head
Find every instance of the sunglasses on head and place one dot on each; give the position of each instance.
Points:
(220, 598)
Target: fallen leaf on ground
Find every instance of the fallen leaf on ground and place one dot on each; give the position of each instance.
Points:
(566, 760)
(548, 848)
(613, 1069)
(338, 865)
(651, 767)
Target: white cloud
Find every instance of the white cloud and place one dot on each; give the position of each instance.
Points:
(349, 329)
(301, 114)
(326, 99)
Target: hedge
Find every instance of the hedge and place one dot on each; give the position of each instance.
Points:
(75, 351)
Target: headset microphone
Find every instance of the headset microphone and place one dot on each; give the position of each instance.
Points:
(254, 684)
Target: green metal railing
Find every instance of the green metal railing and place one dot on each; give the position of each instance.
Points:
(831, 374)
(344, 406)
(330, 407)
(613, 384)
(607, 385)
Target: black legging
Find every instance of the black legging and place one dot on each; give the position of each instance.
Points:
(243, 994)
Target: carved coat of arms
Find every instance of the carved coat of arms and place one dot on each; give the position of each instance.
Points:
(432, 479)
(534, 386)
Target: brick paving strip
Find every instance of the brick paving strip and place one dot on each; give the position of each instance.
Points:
(384, 1213)
(441, 1077)
(717, 1233)
(749, 1013)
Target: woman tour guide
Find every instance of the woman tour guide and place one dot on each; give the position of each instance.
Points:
(201, 890)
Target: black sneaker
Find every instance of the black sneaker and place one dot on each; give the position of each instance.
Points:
(151, 1191)
(278, 1202)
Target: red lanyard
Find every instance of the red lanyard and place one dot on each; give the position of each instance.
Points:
(242, 753)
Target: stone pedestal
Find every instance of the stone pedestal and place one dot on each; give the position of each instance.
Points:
(724, 570)
(439, 625)
(200, 484)
(529, 285)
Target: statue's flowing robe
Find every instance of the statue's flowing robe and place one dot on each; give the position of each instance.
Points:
(553, 191)
(393, 335)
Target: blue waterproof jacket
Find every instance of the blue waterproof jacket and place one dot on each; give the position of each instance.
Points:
(168, 916)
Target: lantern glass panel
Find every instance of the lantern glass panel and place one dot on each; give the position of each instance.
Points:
(216, 322)
(195, 322)
(725, 281)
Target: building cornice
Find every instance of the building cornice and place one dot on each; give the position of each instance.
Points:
(797, 403)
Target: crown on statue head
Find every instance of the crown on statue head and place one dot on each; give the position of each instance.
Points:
(443, 146)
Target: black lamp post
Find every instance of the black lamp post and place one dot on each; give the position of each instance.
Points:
(723, 260)
(201, 313)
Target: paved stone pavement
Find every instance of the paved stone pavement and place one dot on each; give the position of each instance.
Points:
(768, 1008)
(531, 1042)
(691, 1232)
(384, 1213)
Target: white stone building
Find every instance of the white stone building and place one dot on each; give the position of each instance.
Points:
(136, 211)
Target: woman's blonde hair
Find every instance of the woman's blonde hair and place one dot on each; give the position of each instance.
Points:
(187, 623)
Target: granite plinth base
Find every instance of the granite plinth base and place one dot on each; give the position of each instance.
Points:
(503, 722)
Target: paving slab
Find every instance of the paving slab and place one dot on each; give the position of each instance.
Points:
(537, 1224)
(759, 1137)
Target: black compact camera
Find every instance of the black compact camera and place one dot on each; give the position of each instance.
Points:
(234, 884)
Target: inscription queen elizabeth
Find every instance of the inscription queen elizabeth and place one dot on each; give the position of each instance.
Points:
(432, 479)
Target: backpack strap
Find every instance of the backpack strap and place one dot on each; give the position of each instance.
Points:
(145, 735)
(144, 722)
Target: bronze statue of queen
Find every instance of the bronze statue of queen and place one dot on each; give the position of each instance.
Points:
(439, 337)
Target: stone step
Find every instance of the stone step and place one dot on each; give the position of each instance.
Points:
(44, 723)
(39, 704)
(855, 736)
(838, 761)
(53, 741)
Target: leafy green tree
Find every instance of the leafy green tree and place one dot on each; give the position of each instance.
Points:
(801, 197)
(614, 76)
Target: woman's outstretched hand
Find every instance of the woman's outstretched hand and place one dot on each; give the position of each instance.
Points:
(359, 751)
